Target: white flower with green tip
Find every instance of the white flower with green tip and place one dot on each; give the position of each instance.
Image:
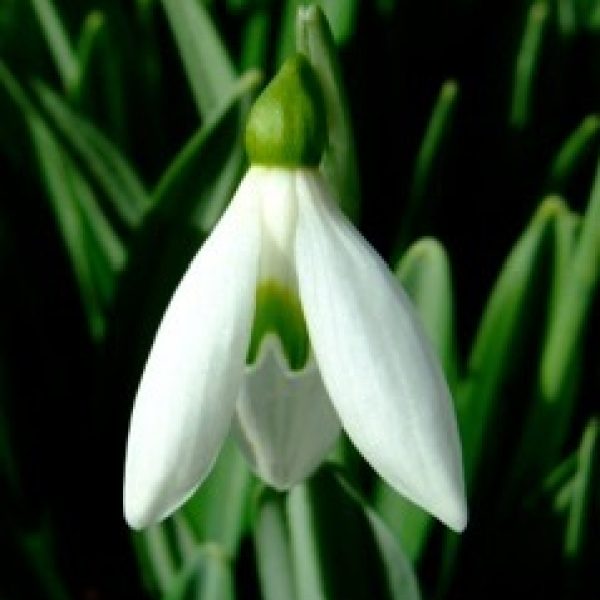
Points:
(286, 327)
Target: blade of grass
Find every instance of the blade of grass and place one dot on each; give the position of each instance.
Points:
(336, 551)
(58, 42)
(209, 70)
(549, 419)
(428, 164)
(527, 64)
(499, 332)
(98, 157)
(575, 149)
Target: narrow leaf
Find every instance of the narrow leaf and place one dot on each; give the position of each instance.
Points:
(575, 149)
(99, 158)
(57, 40)
(339, 163)
(428, 164)
(209, 70)
(272, 545)
(527, 64)
(501, 328)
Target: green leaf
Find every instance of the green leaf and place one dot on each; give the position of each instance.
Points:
(212, 519)
(207, 575)
(58, 41)
(209, 70)
(527, 64)
(215, 143)
(508, 311)
(585, 485)
(424, 271)
(95, 251)
(341, 15)
(328, 525)
(255, 40)
(428, 164)
(548, 421)
(339, 163)
(574, 302)
(272, 546)
(99, 90)
(98, 157)
(582, 143)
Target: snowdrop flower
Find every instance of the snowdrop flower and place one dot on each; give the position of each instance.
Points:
(286, 327)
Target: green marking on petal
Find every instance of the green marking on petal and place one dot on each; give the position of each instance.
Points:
(287, 125)
(278, 311)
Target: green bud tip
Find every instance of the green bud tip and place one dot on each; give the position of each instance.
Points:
(287, 124)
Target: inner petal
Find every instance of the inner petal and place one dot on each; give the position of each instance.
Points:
(284, 423)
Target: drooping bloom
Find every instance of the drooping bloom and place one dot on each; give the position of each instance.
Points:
(286, 327)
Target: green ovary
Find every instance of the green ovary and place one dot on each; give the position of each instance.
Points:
(278, 311)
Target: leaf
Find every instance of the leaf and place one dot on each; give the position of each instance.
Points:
(205, 152)
(424, 272)
(585, 485)
(339, 162)
(98, 157)
(209, 70)
(527, 64)
(212, 519)
(207, 575)
(575, 149)
(340, 14)
(340, 549)
(272, 546)
(500, 330)
(428, 164)
(95, 252)
(58, 42)
(548, 421)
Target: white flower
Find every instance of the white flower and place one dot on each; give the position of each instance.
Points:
(368, 366)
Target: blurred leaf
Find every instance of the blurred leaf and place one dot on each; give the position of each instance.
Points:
(340, 14)
(255, 40)
(507, 311)
(59, 177)
(272, 546)
(57, 40)
(40, 554)
(206, 152)
(98, 91)
(213, 519)
(206, 576)
(527, 64)
(581, 143)
(156, 555)
(339, 163)
(428, 164)
(548, 422)
(209, 70)
(424, 271)
(98, 157)
(338, 548)
(585, 485)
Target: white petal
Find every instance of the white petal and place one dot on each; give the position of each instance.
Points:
(381, 374)
(285, 423)
(186, 398)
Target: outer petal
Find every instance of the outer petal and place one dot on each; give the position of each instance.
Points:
(285, 423)
(186, 398)
(381, 374)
